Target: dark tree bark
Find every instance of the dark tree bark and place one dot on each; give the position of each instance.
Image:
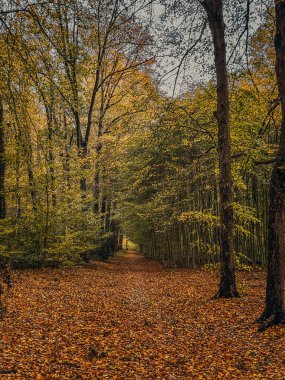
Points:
(96, 189)
(49, 115)
(66, 159)
(99, 146)
(274, 312)
(2, 165)
(227, 288)
(31, 178)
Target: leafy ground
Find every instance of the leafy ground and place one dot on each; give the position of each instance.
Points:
(134, 319)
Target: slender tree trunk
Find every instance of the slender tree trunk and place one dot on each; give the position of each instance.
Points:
(96, 189)
(46, 231)
(32, 186)
(31, 177)
(18, 194)
(66, 159)
(227, 288)
(50, 158)
(120, 241)
(24, 139)
(83, 182)
(274, 304)
(2, 165)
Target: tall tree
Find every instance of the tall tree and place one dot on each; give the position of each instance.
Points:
(274, 312)
(2, 164)
(227, 288)
(106, 35)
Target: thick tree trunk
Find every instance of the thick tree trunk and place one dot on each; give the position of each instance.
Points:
(2, 165)
(274, 305)
(227, 288)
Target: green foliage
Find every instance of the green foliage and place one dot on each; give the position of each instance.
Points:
(169, 175)
(201, 217)
(26, 242)
(149, 167)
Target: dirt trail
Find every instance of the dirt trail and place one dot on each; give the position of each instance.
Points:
(134, 319)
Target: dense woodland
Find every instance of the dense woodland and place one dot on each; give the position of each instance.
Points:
(157, 123)
(94, 146)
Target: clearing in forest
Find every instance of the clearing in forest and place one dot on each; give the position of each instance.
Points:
(135, 319)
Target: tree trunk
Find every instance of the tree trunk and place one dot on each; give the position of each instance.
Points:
(2, 165)
(18, 194)
(227, 288)
(82, 153)
(66, 157)
(120, 241)
(31, 178)
(96, 189)
(50, 158)
(274, 304)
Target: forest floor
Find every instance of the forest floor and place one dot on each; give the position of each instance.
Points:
(135, 319)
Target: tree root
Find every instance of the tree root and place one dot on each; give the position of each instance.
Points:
(3, 312)
(266, 322)
(228, 295)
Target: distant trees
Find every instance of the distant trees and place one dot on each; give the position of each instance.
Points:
(70, 72)
(198, 45)
(170, 204)
(168, 182)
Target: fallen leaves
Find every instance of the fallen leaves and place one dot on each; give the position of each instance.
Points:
(134, 319)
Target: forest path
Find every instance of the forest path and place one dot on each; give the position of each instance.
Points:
(131, 318)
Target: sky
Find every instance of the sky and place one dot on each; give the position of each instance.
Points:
(176, 29)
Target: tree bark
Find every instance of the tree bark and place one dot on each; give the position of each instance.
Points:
(50, 158)
(227, 288)
(274, 312)
(2, 165)
(99, 146)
